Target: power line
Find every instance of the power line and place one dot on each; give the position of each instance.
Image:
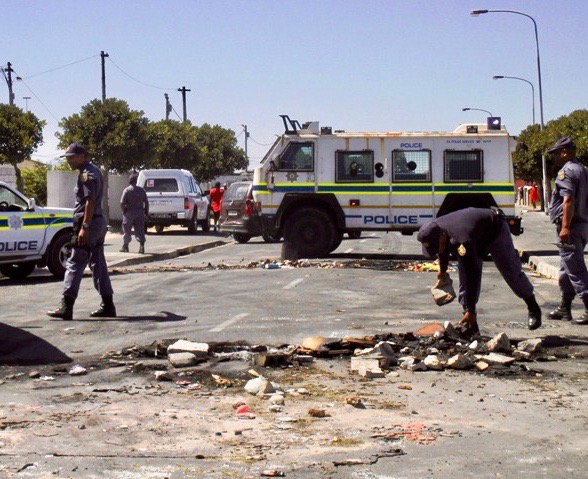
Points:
(260, 144)
(37, 98)
(61, 67)
(136, 79)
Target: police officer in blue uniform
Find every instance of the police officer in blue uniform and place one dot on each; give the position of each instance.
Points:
(470, 234)
(135, 207)
(568, 210)
(88, 238)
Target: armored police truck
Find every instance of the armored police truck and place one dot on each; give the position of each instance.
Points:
(32, 236)
(316, 184)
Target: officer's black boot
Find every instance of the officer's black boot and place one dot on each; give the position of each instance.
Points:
(106, 310)
(142, 248)
(584, 318)
(534, 320)
(125, 248)
(563, 312)
(65, 310)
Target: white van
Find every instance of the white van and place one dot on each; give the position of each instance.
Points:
(174, 199)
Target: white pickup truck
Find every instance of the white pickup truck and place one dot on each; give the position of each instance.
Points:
(31, 235)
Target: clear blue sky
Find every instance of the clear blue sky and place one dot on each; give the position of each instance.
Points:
(369, 65)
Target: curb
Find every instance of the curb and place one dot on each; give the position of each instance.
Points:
(543, 267)
(150, 257)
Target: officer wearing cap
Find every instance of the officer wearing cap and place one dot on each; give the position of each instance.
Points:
(88, 238)
(135, 207)
(568, 210)
(470, 234)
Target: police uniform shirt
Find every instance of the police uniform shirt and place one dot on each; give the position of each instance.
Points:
(134, 199)
(572, 180)
(90, 185)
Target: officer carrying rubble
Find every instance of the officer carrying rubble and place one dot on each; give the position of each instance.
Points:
(568, 210)
(470, 234)
(135, 207)
(88, 238)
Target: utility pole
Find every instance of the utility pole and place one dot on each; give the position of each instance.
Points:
(102, 57)
(26, 99)
(246, 137)
(9, 70)
(184, 90)
(168, 107)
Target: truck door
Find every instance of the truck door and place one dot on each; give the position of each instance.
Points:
(22, 232)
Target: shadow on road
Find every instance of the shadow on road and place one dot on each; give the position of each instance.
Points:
(160, 317)
(18, 347)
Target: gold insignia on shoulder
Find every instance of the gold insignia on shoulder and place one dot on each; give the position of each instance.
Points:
(561, 175)
(84, 176)
(461, 250)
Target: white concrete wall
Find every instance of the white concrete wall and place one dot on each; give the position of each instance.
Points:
(61, 185)
(7, 174)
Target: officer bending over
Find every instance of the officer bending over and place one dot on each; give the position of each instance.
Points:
(470, 234)
(568, 210)
(88, 238)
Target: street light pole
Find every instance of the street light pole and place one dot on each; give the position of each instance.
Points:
(477, 109)
(546, 185)
(246, 138)
(26, 99)
(499, 77)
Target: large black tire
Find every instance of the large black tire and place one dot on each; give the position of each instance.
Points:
(159, 229)
(337, 239)
(271, 238)
(193, 224)
(312, 231)
(18, 270)
(205, 224)
(57, 257)
(241, 238)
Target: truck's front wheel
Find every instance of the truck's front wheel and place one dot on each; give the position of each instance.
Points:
(18, 271)
(60, 251)
(312, 231)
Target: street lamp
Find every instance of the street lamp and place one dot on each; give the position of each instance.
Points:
(499, 77)
(477, 109)
(475, 13)
(26, 99)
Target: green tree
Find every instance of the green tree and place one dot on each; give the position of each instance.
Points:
(117, 137)
(35, 183)
(20, 135)
(220, 153)
(176, 145)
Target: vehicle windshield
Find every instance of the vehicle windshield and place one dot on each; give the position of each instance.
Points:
(237, 191)
(161, 185)
(9, 201)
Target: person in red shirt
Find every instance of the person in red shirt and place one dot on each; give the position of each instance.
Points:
(534, 195)
(216, 197)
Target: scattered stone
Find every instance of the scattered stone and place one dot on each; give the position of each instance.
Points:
(272, 473)
(355, 402)
(34, 374)
(163, 376)
(182, 360)
(253, 386)
(271, 359)
(315, 343)
(430, 330)
(318, 413)
(367, 367)
(482, 366)
(531, 345)
(521, 355)
(432, 361)
(495, 358)
(244, 412)
(277, 399)
(266, 388)
(500, 342)
(77, 370)
(459, 361)
(199, 350)
(450, 330)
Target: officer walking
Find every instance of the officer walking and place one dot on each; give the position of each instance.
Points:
(568, 210)
(470, 234)
(88, 238)
(135, 207)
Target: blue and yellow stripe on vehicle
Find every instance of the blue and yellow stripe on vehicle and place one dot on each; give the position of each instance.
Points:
(38, 221)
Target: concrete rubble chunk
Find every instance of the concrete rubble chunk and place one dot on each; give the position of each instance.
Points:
(267, 388)
(182, 346)
(367, 367)
(315, 343)
(430, 330)
(482, 366)
(531, 345)
(521, 355)
(253, 386)
(500, 342)
(495, 358)
(163, 376)
(382, 351)
(182, 360)
(459, 361)
(432, 361)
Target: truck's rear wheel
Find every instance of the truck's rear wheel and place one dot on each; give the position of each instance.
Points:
(312, 231)
(60, 251)
(18, 270)
(241, 237)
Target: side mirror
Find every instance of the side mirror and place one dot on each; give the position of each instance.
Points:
(31, 203)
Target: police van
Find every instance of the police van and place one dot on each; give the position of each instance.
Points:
(31, 235)
(316, 184)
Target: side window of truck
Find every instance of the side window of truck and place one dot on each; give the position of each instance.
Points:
(411, 166)
(297, 157)
(460, 166)
(354, 166)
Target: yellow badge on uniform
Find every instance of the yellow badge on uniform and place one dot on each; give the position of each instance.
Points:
(561, 175)
(84, 176)
(461, 250)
